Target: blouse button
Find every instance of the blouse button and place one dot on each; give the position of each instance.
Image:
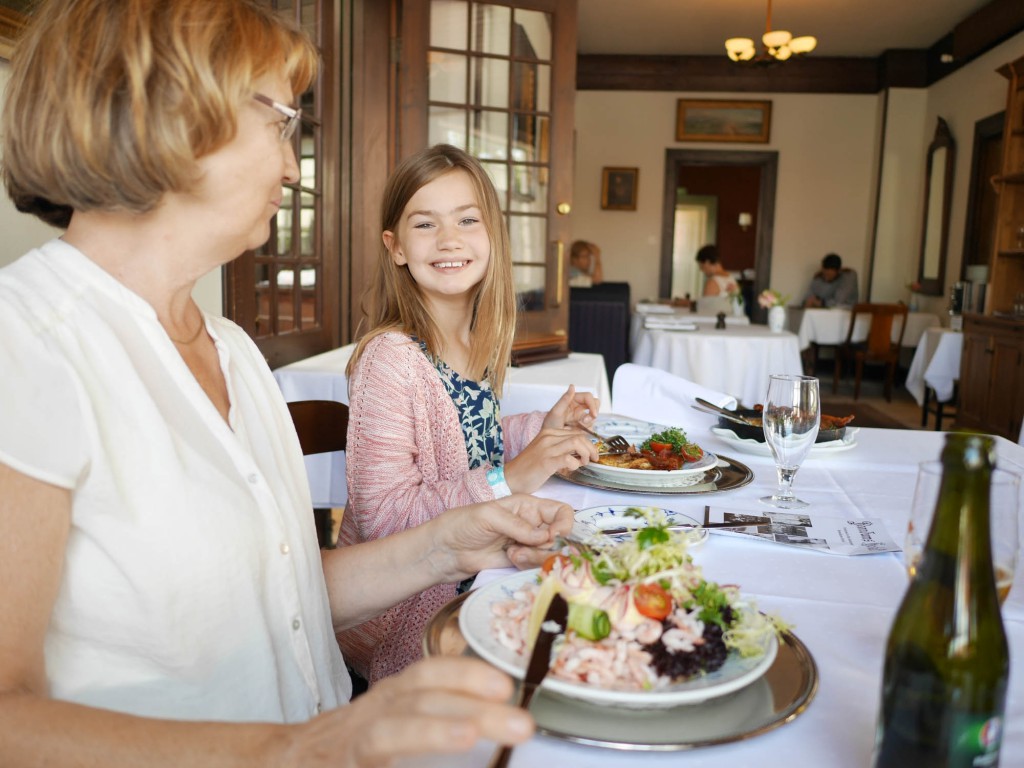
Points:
(253, 478)
(285, 549)
(296, 624)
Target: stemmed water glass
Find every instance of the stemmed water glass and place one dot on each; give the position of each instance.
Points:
(792, 413)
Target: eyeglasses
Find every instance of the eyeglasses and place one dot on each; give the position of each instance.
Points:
(294, 115)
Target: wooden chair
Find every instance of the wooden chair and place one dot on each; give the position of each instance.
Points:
(878, 347)
(322, 426)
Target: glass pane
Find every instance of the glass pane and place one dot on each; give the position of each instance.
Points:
(447, 126)
(489, 135)
(308, 292)
(490, 28)
(309, 8)
(531, 86)
(529, 283)
(447, 77)
(499, 176)
(528, 194)
(532, 37)
(307, 222)
(448, 25)
(284, 225)
(528, 235)
(489, 87)
(524, 137)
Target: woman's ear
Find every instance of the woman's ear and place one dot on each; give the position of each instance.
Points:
(391, 243)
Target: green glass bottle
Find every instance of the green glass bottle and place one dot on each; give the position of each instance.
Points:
(947, 661)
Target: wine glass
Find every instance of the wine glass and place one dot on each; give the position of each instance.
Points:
(792, 413)
(1005, 505)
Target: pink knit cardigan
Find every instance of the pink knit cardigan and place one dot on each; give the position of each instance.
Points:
(406, 463)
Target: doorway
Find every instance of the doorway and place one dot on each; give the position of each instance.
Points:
(758, 169)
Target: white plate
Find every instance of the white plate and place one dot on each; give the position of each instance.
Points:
(604, 518)
(760, 448)
(689, 474)
(475, 625)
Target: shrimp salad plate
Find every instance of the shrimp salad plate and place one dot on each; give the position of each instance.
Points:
(646, 630)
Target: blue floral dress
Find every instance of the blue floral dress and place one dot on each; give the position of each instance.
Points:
(479, 414)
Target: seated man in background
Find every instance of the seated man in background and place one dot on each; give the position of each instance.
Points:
(585, 265)
(833, 286)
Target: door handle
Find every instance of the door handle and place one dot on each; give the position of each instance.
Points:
(560, 267)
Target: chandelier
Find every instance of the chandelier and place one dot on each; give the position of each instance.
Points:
(779, 45)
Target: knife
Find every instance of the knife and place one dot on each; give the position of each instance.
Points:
(555, 619)
(681, 527)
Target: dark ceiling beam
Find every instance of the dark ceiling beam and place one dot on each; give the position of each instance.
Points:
(984, 29)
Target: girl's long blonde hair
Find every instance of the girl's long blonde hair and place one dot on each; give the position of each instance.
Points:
(394, 301)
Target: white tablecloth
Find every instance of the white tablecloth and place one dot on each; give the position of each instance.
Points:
(840, 607)
(936, 364)
(529, 388)
(830, 326)
(677, 314)
(734, 360)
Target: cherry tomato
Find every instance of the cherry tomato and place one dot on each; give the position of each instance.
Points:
(660, 447)
(549, 563)
(652, 601)
(692, 452)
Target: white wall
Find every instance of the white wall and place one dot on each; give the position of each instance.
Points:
(20, 232)
(829, 148)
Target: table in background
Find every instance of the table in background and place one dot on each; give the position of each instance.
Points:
(829, 327)
(840, 607)
(735, 360)
(936, 364)
(529, 388)
(674, 314)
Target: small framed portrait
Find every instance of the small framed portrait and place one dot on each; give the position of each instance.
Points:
(12, 21)
(618, 188)
(721, 120)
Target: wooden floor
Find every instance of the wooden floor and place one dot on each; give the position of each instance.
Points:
(903, 407)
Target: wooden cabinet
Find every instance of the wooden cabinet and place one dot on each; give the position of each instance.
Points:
(992, 376)
(1006, 278)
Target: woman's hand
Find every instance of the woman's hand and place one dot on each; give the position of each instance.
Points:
(518, 529)
(550, 451)
(439, 705)
(572, 408)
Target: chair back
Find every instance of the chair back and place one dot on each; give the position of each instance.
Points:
(652, 394)
(322, 425)
(879, 343)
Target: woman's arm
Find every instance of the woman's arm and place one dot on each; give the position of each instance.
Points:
(466, 699)
(365, 579)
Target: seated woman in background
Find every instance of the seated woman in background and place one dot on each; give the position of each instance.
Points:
(425, 431)
(585, 269)
(719, 282)
(164, 599)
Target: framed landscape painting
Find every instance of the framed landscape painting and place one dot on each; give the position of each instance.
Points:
(720, 120)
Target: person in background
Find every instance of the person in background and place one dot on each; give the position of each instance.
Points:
(833, 286)
(165, 602)
(719, 282)
(585, 265)
(425, 427)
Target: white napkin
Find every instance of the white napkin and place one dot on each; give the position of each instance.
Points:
(645, 308)
(662, 322)
(664, 398)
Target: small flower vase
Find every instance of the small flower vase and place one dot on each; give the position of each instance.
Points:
(913, 302)
(777, 319)
(737, 307)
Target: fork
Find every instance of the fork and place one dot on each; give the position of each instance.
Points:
(613, 444)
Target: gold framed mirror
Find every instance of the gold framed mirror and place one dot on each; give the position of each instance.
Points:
(938, 192)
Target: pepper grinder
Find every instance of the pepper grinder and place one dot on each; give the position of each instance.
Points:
(720, 321)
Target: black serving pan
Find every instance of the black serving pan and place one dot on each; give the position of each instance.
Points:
(750, 432)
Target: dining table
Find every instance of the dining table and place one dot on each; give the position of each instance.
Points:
(534, 387)
(828, 327)
(936, 364)
(735, 360)
(666, 317)
(840, 608)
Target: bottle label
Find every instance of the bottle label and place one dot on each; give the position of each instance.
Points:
(979, 741)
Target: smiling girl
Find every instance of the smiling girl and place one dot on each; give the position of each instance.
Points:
(425, 429)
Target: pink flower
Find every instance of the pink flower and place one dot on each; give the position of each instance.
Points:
(769, 298)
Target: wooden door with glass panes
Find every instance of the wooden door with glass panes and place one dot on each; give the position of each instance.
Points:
(285, 294)
(498, 80)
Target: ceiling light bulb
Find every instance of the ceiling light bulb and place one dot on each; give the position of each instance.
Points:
(783, 52)
(776, 38)
(736, 45)
(803, 44)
